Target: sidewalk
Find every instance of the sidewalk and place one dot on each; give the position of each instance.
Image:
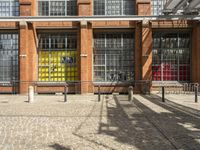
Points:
(178, 119)
(83, 123)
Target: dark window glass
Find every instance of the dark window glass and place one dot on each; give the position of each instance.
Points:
(57, 8)
(171, 56)
(8, 57)
(113, 57)
(114, 7)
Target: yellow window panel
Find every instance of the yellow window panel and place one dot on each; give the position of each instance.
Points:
(59, 74)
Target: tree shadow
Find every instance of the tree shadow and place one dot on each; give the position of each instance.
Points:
(57, 146)
(181, 126)
(134, 129)
(157, 99)
(138, 126)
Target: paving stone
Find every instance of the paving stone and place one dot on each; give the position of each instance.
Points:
(83, 124)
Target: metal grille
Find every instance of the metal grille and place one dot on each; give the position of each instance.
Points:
(171, 56)
(114, 7)
(58, 57)
(57, 7)
(157, 6)
(9, 8)
(113, 57)
(8, 57)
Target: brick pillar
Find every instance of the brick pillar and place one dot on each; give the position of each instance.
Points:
(26, 7)
(85, 9)
(138, 51)
(196, 53)
(143, 7)
(27, 47)
(143, 43)
(147, 52)
(32, 53)
(23, 59)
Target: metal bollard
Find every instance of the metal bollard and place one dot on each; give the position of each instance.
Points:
(13, 87)
(163, 94)
(30, 94)
(99, 93)
(196, 94)
(130, 93)
(65, 94)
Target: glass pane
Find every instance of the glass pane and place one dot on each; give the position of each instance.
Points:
(171, 56)
(57, 57)
(114, 57)
(9, 8)
(8, 56)
(113, 7)
(57, 8)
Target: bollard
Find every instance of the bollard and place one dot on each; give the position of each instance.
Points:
(145, 89)
(196, 94)
(130, 93)
(163, 94)
(99, 93)
(65, 94)
(13, 87)
(30, 94)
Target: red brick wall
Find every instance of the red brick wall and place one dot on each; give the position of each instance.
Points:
(143, 41)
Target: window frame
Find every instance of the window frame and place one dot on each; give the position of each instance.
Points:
(13, 6)
(72, 13)
(130, 68)
(178, 51)
(122, 10)
(11, 51)
(61, 52)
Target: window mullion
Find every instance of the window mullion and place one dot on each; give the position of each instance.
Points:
(66, 8)
(178, 67)
(105, 53)
(105, 13)
(122, 7)
(10, 8)
(49, 8)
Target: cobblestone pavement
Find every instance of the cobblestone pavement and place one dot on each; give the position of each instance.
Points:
(178, 119)
(83, 124)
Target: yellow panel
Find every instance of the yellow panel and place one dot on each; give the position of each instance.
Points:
(58, 74)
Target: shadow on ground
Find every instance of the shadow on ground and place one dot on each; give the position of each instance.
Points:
(181, 127)
(59, 147)
(138, 126)
(135, 131)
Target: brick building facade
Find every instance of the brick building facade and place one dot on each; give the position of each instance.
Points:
(98, 51)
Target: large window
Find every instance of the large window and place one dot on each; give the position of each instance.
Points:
(57, 7)
(113, 7)
(8, 57)
(171, 56)
(157, 6)
(9, 8)
(113, 57)
(58, 57)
